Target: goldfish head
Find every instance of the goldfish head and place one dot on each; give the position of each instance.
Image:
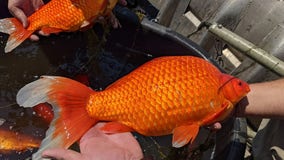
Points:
(233, 88)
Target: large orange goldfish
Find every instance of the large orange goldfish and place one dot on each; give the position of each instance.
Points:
(168, 95)
(11, 141)
(54, 17)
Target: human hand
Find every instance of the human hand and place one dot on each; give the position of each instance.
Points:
(95, 145)
(23, 8)
(215, 126)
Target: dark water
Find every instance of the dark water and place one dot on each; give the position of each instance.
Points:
(67, 54)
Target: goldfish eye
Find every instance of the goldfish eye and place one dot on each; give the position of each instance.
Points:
(240, 83)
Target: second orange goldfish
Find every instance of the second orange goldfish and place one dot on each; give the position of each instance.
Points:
(11, 141)
(54, 17)
(168, 95)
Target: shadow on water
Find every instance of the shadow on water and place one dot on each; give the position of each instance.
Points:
(102, 54)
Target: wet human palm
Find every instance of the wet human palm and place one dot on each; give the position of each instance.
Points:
(96, 145)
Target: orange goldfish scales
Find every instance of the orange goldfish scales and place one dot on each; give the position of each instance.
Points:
(54, 17)
(167, 95)
(11, 141)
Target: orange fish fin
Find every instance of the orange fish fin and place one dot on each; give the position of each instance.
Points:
(68, 99)
(184, 134)
(115, 127)
(220, 114)
(49, 30)
(17, 32)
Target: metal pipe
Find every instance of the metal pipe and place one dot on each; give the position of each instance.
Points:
(166, 32)
(259, 55)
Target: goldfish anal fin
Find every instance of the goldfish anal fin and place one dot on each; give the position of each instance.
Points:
(115, 127)
(17, 32)
(184, 134)
(68, 99)
(220, 114)
(49, 30)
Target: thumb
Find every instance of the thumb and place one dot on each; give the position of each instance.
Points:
(19, 14)
(62, 154)
(37, 4)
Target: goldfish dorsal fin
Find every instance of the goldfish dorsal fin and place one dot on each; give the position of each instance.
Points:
(115, 127)
(68, 99)
(184, 134)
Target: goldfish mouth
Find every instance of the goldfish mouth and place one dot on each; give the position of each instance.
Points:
(247, 89)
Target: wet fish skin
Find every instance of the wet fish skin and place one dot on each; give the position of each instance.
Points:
(54, 17)
(167, 95)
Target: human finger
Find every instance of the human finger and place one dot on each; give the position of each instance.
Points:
(19, 14)
(37, 4)
(42, 33)
(62, 154)
(216, 126)
(34, 37)
(128, 143)
(125, 140)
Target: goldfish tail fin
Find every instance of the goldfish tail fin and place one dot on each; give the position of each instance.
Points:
(17, 32)
(68, 99)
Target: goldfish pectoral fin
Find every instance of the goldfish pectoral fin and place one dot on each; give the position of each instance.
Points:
(17, 32)
(184, 134)
(115, 127)
(49, 30)
(68, 99)
(220, 114)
